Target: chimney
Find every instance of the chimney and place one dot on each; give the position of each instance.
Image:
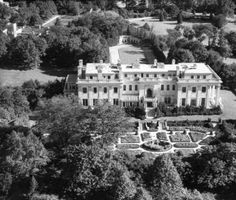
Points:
(83, 74)
(173, 61)
(177, 71)
(79, 68)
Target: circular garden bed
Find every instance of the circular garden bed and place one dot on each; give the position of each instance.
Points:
(157, 146)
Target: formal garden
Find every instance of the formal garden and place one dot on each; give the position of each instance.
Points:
(168, 136)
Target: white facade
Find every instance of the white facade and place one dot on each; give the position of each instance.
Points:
(180, 84)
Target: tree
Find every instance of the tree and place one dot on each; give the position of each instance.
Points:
(25, 51)
(166, 183)
(68, 123)
(223, 46)
(180, 18)
(219, 20)
(91, 173)
(199, 52)
(4, 40)
(183, 55)
(5, 11)
(215, 166)
(231, 37)
(46, 9)
(44, 197)
(214, 60)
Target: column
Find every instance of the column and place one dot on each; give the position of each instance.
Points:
(120, 94)
(80, 101)
(110, 94)
(207, 96)
(188, 95)
(198, 99)
(217, 95)
(90, 99)
(178, 97)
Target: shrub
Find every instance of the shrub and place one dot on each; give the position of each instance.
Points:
(162, 136)
(146, 136)
(207, 141)
(127, 146)
(130, 139)
(196, 136)
(219, 20)
(185, 145)
(156, 145)
(180, 18)
(179, 137)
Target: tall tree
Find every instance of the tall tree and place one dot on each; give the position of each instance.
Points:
(166, 183)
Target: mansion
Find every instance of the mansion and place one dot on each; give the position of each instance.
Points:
(182, 84)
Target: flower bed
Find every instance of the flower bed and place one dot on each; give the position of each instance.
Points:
(127, 146)
(130, 139)
(179, 137)
(157, 146)
(197, 136)
(162, 136)
(152, 126)
(146, 136)
(185, 145)
(198, 129)
(177, 128)
(185, 152)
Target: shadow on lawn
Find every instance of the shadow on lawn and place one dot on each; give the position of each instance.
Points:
(55, 71)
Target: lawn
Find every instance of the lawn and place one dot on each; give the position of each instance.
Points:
(18, 77)
(130, 139)
(179, 137)
(129, 54)
(196, 136)
(127, 146)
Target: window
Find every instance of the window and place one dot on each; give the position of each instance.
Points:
(95, 90)
(84, 90)
(162, 87)
(130, 87)
(109, 77)
(167, 100)
(192, 77)
(136, 87)
(168, 87)
(116, 76)
(147, 75)
(163, 75)
(116, 102)
(203, 89)
(203, 102)
(155, 75)
(142, 75)
(183, 103)
(125, 75)
(135, 75)
(194, 89)
(204, 77)
(105, 90)
(184, 89)
(198, 77)
(95, 102)
(124, 87)
(91, 77)
(85, 102)
(193, 102)
(115, 90)
(173, 87)
(123, 104)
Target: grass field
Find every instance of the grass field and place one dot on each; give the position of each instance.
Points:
(18, 77)
(130, 54)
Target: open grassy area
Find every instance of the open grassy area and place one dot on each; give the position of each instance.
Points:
(18, 77)
(130, 54)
